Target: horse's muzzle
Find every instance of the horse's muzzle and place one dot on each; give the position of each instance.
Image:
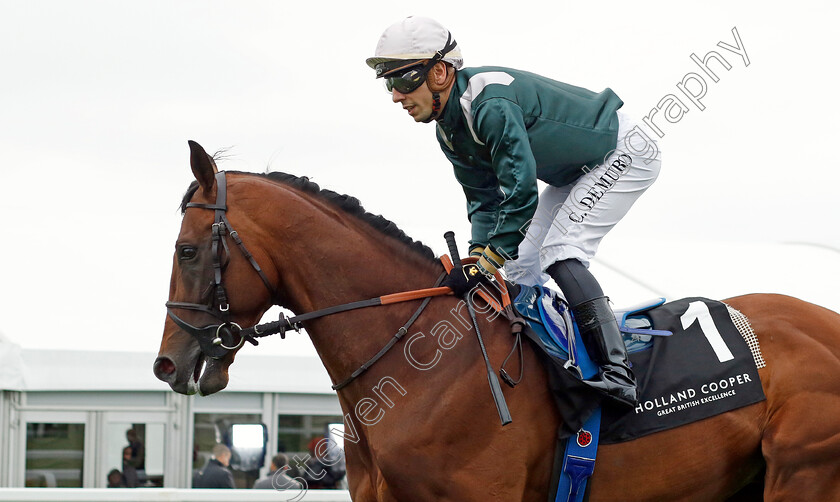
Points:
(166, 370)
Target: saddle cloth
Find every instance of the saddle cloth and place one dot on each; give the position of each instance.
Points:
(705, 368)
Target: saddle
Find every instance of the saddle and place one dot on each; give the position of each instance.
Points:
(550, 317)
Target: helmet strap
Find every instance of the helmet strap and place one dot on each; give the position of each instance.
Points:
(435, 107)
(436, 104)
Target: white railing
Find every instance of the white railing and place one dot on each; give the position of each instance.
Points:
(168, 495)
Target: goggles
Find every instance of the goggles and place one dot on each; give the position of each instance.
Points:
(409, 80)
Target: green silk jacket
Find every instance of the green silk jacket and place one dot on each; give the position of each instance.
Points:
(503, 129)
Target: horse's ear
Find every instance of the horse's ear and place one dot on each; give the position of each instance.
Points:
(203, 167)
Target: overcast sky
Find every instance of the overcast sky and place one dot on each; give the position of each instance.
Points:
(98, 100)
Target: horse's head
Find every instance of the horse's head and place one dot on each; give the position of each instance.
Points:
(212, 290)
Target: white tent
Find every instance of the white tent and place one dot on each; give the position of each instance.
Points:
(23, 369)
(12, 375)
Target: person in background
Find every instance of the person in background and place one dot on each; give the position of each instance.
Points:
(215, 473)
(320, 471)
(138, 452)
(277, 477)
(129, 474)
(115, 479)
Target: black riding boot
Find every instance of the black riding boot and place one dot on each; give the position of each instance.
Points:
(605, 345)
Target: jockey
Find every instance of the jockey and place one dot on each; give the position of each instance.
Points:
(504, 129)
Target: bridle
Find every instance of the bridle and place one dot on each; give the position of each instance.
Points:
(216, 340)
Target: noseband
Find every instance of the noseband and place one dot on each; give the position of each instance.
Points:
(215, 340)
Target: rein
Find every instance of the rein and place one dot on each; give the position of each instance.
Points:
(284, 323)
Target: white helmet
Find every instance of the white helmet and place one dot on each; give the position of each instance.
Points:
(414, 38)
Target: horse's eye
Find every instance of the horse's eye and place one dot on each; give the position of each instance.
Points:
(187, 253)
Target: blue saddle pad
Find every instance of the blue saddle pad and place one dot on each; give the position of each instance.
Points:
(550, 318)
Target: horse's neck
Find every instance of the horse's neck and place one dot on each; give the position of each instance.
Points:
(328, 258)
(341, 264)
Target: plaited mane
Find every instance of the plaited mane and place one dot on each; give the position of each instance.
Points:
(346, 203)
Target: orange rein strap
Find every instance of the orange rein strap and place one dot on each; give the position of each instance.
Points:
(286, 323)
(413, 295)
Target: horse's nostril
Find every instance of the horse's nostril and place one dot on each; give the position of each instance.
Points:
(164, 368)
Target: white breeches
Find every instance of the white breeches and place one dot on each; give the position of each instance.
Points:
(571, 220)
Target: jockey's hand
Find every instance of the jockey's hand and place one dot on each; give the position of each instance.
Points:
(462, 280)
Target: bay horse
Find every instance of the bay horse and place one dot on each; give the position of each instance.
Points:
(421, 423)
